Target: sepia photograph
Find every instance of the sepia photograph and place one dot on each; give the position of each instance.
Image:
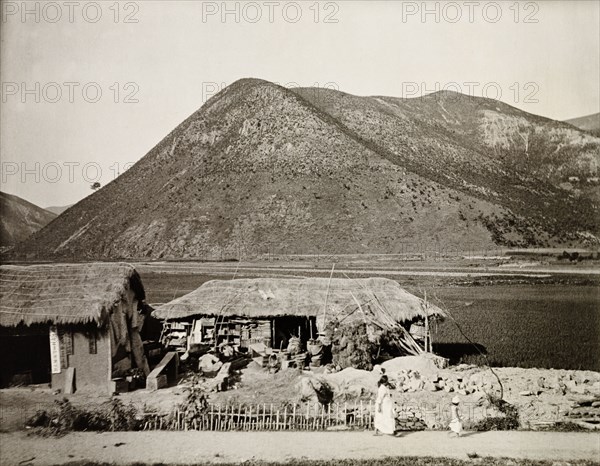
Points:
(300, 233)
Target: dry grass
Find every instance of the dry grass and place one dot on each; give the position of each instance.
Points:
(257, 385)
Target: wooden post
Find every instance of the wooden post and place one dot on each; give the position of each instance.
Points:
(426, 325)
(307, 413)
(327, 297)
(294, 417)
(323, 417)
(362, 414)
(345, 413)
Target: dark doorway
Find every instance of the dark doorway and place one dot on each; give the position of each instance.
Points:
(24, 356)
(286, 327)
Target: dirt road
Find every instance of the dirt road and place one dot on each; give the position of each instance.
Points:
(189, 447)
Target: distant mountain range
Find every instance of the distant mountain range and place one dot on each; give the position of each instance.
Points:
(589, 123)
(260, 167)
(58, 209)
(19, 219)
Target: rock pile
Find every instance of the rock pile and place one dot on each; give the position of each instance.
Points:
(412, 381)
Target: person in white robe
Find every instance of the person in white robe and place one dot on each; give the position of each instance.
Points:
(385, 421)
(455, 421)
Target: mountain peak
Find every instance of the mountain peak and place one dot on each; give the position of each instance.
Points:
(264, 168)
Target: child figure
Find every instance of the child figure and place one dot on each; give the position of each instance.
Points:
(456, 422)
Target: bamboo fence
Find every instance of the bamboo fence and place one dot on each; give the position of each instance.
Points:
(245, 417)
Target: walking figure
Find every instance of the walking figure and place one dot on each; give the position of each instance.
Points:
(384, 408)
(456, 421)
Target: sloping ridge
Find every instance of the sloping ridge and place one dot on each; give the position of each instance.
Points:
(487, 149)
(260, 168)
(588, 123)
(19, 219)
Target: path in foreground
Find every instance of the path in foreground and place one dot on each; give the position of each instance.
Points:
(190, 447)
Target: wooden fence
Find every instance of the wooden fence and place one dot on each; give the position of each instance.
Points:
(310, 416)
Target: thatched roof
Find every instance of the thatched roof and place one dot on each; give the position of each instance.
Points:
(271, 297)
(64, 294)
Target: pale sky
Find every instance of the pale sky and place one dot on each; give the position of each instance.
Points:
(174, 59)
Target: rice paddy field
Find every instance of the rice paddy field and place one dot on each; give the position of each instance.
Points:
(547, 326)
(534, 322)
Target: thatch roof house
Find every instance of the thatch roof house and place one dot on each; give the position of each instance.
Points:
(378, 301)
(75, 321)
(305, 297)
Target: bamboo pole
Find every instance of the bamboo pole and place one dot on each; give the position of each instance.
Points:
(294, 416)
(285, 418)
(345, 413)
(256, 425)
(307, 414)
(426, 325)
(322, 408)
(327, 296)
(362, 414)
